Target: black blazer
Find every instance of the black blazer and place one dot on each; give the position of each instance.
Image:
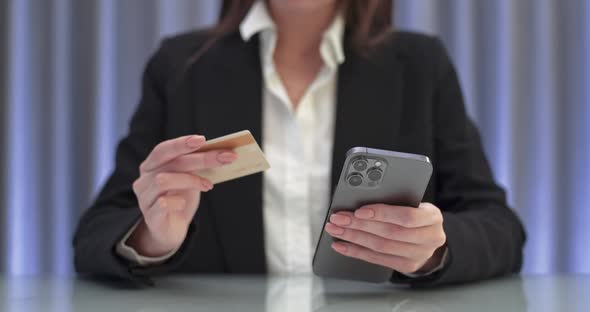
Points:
(404, 97)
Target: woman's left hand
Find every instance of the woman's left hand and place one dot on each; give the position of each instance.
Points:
(405, 239)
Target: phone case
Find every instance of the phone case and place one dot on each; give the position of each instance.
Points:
(386, 177)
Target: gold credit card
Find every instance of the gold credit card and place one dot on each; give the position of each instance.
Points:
(250, 158)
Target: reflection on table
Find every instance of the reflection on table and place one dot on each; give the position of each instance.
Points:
(295, 293)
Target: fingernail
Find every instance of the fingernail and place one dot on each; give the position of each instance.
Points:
(195, 141)
(340, 219)
(227, 157)
(364, 213)
(339, 247)
(333, 229)
(207, 185)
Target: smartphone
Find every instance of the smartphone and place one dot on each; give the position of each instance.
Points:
(370, 176)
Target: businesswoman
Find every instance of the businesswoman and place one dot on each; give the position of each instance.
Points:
(310, 79)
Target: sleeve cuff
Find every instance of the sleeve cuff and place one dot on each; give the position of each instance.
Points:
(439, 267)
(130, 254)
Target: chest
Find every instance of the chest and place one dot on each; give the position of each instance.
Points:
(297, 77)
(298, 142)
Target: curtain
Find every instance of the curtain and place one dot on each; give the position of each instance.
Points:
(69, 82)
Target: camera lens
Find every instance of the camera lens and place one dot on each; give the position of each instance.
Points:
(374, 174)
(359, 165)
(355, 180)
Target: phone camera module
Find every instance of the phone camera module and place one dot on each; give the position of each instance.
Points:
(355, 179)
(360, 165)
(375, 174)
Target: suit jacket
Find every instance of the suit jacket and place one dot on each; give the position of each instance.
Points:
(404, 97)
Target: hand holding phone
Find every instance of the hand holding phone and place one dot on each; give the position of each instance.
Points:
(405, 239)
(387, 233)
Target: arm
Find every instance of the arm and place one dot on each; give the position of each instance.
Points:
(116, 209)
(484, 236)
(131, 254)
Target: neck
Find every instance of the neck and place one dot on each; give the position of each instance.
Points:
(300, 33)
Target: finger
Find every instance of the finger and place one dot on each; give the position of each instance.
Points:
(165, 182)
(409, 217)
(377, 243)
(142, 183)
(162, 207)
(192, 203)
(199, 161)
(426, 235)
(167, 213)
(396, 263)
(168, 150)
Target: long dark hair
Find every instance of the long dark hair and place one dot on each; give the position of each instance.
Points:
(368, 22)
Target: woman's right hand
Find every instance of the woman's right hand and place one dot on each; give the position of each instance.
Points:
(168, 192)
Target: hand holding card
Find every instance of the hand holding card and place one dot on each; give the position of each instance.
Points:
(174, 175)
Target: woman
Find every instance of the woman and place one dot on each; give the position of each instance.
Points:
(310, 79)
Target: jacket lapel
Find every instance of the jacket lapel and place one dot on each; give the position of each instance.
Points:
(228, 91)
(369, 101)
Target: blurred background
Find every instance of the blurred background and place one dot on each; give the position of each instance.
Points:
(69, 82)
